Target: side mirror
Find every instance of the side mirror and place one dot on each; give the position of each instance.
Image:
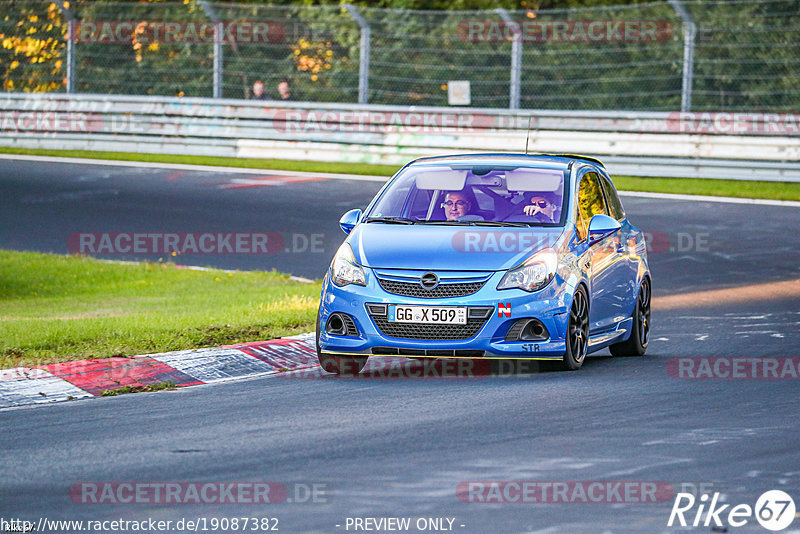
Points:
(602, 226)
(349, 220)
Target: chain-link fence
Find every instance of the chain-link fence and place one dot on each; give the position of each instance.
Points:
(739, 55)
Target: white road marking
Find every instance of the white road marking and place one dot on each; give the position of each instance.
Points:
(214, 365)
(22, 385)
(747, 332)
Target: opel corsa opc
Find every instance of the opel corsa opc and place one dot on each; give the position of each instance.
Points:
(487, 256)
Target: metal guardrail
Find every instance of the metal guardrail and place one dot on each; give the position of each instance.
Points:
(644, 144)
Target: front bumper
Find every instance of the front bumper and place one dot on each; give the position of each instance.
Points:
(547, 305)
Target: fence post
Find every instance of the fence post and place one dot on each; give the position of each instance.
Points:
(689, 33)
(218, 36)
(71, 28)
(363, 63)
(516, 58)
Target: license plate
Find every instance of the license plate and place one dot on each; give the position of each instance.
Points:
(427, 314)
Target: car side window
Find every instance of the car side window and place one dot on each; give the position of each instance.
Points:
(419, 206)
(590, 202)
(392, 202)
(614, 205)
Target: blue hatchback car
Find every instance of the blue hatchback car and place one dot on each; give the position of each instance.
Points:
(506, 256)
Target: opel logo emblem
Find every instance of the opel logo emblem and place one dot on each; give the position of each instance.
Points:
(429, 280)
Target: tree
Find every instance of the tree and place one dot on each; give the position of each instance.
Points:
(32, 37)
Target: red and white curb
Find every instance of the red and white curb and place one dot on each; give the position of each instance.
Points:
(89, 378)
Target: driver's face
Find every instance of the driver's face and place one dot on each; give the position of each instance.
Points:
(544, 205)
(456, 205)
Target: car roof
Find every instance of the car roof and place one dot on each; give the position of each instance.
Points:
(550, 160)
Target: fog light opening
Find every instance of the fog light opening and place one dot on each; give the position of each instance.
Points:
(533, 331)
(527, 330)
(336, 325)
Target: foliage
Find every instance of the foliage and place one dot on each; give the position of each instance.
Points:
(32, 38)
(745, 57)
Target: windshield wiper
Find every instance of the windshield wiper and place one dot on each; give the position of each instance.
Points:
(391, 220)
(476, 223)
(445, 223)
(406, 220)
(500, 223)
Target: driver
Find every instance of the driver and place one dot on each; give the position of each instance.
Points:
(541, 206)
(458, 206)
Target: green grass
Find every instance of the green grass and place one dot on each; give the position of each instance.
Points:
(60, 308)
(698, 186)
(687, 186)
(137, 389)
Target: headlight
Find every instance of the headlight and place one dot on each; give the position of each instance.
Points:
(534, 274)
(344, 268)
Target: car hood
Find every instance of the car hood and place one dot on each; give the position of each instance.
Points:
(453, 248)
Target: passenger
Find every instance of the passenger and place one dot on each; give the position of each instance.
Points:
(541, 206)
(458, 206)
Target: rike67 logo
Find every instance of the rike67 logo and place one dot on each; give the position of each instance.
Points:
(774, 510)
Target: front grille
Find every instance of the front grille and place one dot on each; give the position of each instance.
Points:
(429, 331)
(443, 290)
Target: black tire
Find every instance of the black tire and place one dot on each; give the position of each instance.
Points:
(640, 328)
(340, 365)
(577, 338)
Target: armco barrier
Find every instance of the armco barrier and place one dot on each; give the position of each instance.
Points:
(744, 146)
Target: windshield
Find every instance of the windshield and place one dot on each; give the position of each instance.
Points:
(496, 195)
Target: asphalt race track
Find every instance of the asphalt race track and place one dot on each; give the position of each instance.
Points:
(402, 447)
